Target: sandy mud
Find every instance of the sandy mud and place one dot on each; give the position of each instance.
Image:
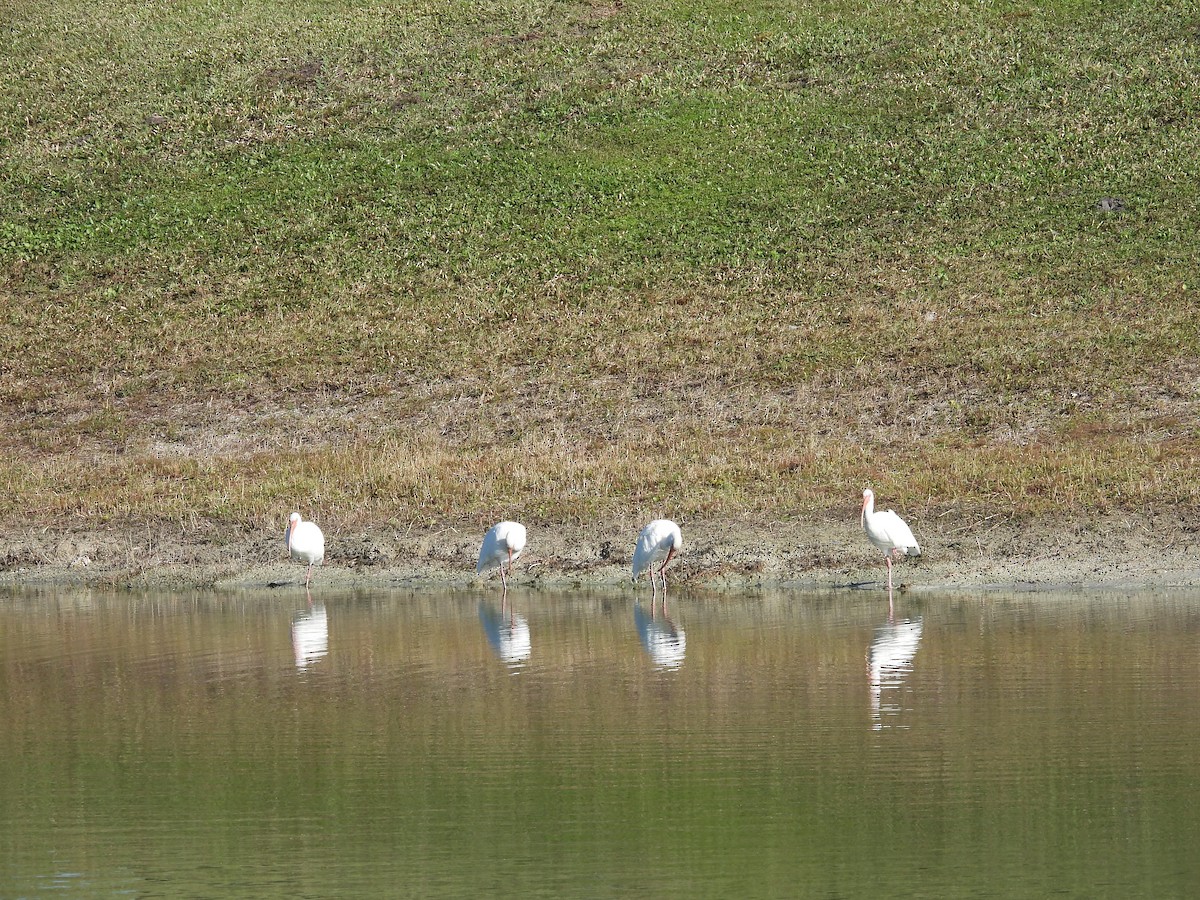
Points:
(1115, 551)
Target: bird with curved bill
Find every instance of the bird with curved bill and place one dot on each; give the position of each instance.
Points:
(888, 532)
(502, 544)
(660, 540)
(305, 543)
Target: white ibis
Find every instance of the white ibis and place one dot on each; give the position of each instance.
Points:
(888, 532)
(661, 539)
(503, 543)
(305, 543)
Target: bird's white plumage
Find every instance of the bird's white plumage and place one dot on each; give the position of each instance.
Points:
(886, 530)
(305, 542)
(659, 540)
(502, 543)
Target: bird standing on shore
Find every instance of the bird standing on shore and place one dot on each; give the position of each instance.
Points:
(503, 542)
(661, 539)
(888, 532)
(305, 542)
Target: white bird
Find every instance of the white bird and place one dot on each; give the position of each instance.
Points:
(305, 543)
(661, 539)
(503, 542)
(888, 532)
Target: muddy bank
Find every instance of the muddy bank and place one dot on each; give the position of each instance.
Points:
(1114, 551)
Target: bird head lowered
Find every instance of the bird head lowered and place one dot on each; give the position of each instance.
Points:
(660, 540)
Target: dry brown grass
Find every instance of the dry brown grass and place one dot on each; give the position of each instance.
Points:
(447, 266)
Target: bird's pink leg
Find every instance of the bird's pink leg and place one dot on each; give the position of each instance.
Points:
(889, 562)
(662, 570)
(308, 576)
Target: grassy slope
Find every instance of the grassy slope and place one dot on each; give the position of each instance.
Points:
(430, 263)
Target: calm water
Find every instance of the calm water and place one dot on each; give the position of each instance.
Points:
(785, 745)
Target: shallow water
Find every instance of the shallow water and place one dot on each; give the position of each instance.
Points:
(782, 745)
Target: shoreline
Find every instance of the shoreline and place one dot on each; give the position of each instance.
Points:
(1113, 551)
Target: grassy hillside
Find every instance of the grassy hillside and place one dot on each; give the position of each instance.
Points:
(576, 261)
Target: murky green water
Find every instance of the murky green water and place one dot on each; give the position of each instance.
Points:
(575, 745)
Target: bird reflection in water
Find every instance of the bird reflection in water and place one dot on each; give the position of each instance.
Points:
(507, 632)
(890, 661)
(310, 634)
(662, 639)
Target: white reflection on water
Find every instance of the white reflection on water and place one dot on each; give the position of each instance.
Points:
(310, 635)
(663, 639)
(507, 632)
(143, 749)
(889, 662)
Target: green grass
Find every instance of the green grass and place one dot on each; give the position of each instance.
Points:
(350, 257)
